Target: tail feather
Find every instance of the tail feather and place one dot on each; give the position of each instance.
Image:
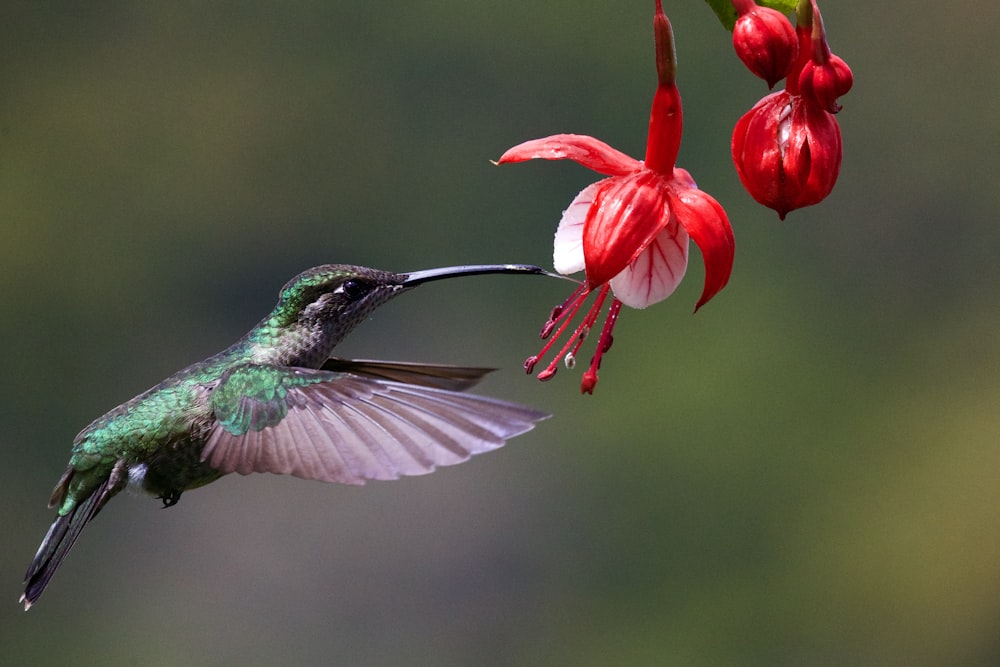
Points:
(61, 537)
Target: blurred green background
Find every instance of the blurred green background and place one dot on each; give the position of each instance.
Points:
(805, 473)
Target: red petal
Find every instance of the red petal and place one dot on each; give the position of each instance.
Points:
(588, 151)
(627, 214)
(812, 157)
(705, 221)
(759, 141)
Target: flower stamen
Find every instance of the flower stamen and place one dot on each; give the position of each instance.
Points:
(559, 312)
(603, 345)
(563, 315)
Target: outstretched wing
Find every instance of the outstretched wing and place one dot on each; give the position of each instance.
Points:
(347, 428)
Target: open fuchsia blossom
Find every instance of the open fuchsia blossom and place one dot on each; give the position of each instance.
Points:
(630, 232)
(787, 148)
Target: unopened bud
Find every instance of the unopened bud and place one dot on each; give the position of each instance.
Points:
(787, 152)
(824, 82)
(765, 41)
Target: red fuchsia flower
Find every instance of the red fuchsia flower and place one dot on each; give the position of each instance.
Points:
(787, 149)
(630, 232)
(764, 40)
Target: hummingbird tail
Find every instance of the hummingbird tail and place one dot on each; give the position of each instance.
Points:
(62, 534)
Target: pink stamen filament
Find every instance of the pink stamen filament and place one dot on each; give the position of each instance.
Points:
(565, 314)
(589, 380)
(589, 320)
(559, 312)
(576, 339)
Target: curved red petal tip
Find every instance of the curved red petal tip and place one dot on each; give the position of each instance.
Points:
(587, 151)
(706, 222)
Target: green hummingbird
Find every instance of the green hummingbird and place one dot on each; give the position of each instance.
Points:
(277, 401)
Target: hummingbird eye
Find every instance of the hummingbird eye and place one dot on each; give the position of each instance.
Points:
(354, 289)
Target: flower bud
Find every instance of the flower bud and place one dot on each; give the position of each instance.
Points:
(765, 41)
(821, 76)
(787, 152)
(824, 82)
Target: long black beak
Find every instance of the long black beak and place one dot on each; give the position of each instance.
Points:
(419, 277)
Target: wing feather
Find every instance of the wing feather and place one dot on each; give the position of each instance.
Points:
(407, 446)
(455, 378)
(348, 428)
(372, 445)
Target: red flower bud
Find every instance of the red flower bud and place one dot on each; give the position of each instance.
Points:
(825, 82)
(787, 152)
(764, 40)
(823, 77)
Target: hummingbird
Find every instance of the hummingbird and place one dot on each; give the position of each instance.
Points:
(278, 401)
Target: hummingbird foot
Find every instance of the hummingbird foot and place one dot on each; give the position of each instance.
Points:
(170, 498)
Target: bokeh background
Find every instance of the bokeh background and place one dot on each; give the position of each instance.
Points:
(804, 473)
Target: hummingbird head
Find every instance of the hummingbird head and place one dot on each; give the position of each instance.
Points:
(334, 292)
(321, 305)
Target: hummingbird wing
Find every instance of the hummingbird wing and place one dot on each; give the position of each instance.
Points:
(455, 378)
(347, 428)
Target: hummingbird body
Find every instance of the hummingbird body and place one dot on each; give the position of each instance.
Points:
(277, 401)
